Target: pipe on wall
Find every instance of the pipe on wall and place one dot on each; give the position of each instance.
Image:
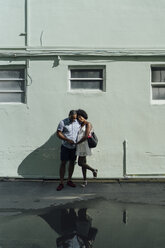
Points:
(26, 23)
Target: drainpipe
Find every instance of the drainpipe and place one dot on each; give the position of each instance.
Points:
(27, 23)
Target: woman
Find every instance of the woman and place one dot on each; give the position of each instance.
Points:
(83, 149)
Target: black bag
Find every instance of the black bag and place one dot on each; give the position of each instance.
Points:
(92, 140)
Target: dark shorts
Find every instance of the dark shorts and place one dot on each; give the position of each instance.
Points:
(68, 154)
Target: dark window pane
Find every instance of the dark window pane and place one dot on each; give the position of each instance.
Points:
(12, 97)
(79, 84)
(86, 73)
(11, 73)
(11, 85)
(158, 74)
(158, 93)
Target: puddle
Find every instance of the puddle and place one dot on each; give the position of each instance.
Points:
(85, 224)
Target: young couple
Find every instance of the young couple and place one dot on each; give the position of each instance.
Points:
(74, 131)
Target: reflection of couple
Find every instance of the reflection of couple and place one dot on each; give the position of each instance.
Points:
(74, 132)
(81, 234)
(75, 229)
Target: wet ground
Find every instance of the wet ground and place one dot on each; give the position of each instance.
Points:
(35, 215)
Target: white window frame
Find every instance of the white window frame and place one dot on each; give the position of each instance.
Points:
(15, 67)
(83, 67)
(156, 101)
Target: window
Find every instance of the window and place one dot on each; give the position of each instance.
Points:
(87, 78)
(12, 84)
(158, 82)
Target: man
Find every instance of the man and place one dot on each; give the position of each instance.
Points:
(67, 130)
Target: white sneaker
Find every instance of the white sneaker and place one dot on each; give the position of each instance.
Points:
(84, 184)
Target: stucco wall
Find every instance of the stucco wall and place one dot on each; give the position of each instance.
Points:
(97, 23)
(89, 23)
(12, 23)
(28, 146)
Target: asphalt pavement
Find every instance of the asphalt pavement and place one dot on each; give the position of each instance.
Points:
(26, 195)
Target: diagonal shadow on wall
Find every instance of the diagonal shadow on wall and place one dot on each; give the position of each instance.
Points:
(43, 162)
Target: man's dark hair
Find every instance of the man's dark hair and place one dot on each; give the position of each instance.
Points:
(82, 113)
(72, 112)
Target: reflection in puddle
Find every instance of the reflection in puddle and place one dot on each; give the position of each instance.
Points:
(125, 216)
(74, 227)
(85, 224)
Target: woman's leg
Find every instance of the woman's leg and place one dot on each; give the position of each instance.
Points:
(83, 163)
(84, 172)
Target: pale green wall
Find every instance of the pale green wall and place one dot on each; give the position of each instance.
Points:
(12, 23)
(89, 23)
(97, 23)
(28, 146)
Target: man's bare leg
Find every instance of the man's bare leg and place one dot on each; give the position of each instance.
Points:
(62, 174)
(70, 173)
(62, 171)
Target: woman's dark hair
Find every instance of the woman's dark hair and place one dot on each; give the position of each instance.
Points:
(82, 113)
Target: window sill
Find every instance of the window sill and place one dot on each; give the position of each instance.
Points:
(12, 103)
(158, 102)
(86, 92)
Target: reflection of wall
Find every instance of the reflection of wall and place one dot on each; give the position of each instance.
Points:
(145, 225)
(26, 231)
